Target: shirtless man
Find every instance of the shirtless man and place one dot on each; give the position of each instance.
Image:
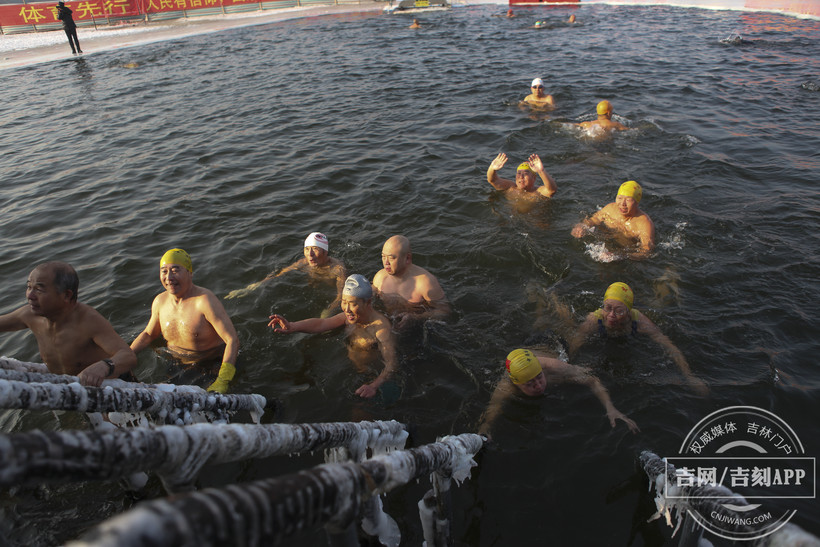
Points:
(524, 184)
(368, 332)
(604, 122)
(537, 98)
(624, 218)
(415, 24)
(316, 262)
(617, 317)
(529, 372)
(409, 292)
(73, 338)
(191, 319)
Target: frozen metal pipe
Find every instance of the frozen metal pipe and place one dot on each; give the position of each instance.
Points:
(175, 453)
(270, 511)
(174, 406)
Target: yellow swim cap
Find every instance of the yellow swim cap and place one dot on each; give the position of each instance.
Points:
(177, 256)
(631, 189)
(604, 108)
(620, 292)
(524, 165)
(522, 366)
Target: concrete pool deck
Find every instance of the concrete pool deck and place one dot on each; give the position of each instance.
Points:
(17, 50)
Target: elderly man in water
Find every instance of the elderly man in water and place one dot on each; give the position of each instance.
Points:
(524, 184)
(73, 338)
(192, 320)
(617, 318)
(409, 292)
(316, 262)
(604, 123)
(537, 98)
(528, 373)
(624, 218)
(368, 332)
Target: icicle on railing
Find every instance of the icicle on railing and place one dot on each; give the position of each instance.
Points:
(176, 453)
(704, 498)
(269, 511)
(171, 404)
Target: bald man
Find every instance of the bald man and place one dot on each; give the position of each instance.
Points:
(625, 219)
(191, 319)
(604, 122)
(409, 292)
(73, 338)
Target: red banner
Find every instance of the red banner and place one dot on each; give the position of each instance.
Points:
(86, 10)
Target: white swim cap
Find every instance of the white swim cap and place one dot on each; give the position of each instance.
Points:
(316, 239)
(358, 286)
(537, 81)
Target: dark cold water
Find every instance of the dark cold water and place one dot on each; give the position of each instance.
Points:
(236, 145)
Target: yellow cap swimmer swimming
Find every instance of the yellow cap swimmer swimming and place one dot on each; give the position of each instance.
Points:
(522, 366)
(177, 256)
(631, 189)
(620, 292)
(604, 108)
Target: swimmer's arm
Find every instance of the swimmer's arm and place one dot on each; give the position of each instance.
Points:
(286, 269)
(646, 234)
(218, 318)
(582, 376)
(341, 275)
(583, 227)
(583, 333)
(549, 187)
(313, 325)
(387, 347)
(104, 336)
(492, 177)
(502, 392)
(436, 304)
(645, 325)
(152, 330)
(15, 320)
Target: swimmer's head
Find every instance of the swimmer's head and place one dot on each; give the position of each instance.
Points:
(525, 166)
(317, 239)
(358, 286)
(177, 256)
(509, 13)
(604, 108)
(522, 366)
(538, 82)
(620, 292)
(572, 18)
(631, 189)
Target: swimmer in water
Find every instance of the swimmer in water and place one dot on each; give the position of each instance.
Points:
(510, 13)
(571, 19)
(316, 262)
(415, 24)
(537, 99)
(524, 184)
(617, 318)
(529, 373)
(625, 218)
(368, 332)
(604, 122)
(409, 292)
(191, 319)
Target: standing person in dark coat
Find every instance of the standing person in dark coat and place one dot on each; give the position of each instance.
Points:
(70, 28)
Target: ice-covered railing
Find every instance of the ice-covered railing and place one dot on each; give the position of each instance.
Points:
(177, 453)
(673, 502)
(29, 386)
(334, 495)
